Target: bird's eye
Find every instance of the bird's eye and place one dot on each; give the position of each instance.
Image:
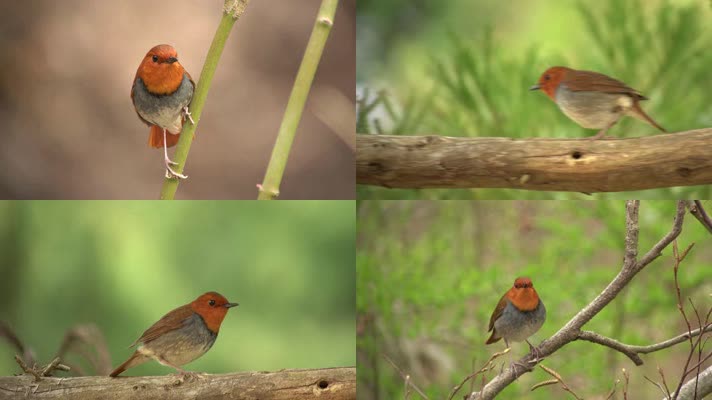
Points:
(547, 77)
(211, 302)
(155, 59)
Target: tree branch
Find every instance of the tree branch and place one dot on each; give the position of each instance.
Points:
(572, 329)
(698, 212)
(325, 384)
(704, 386)
(575, 165)
(632, 351)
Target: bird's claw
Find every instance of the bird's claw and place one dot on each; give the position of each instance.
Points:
(191, 376)
(187, 114)
(170, 174)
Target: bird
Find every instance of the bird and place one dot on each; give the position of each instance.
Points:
(161, 92)
(182, 335)
(591, 99)
(519, 314)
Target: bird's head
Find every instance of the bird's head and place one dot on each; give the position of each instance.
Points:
(550, 80)
(522, 294)
(212, 307)
(160, 70)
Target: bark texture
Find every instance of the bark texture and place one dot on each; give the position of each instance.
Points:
(322, 384)
(575, 165)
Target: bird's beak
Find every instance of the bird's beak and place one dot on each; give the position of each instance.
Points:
(171, 60)
(228, 305)
(535, 87)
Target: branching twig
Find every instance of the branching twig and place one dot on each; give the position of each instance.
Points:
(613, 390)
(488, 366)
(40, 372)
(572, 329)
(406, 377)
(698, 212)
(557, 379)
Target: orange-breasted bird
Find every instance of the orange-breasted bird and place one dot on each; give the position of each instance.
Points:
(161, 93)
(592, 100)
(519, 314)
(182, 335)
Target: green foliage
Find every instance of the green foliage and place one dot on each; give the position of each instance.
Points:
(123, 265)
(476, 87)
(430, 273)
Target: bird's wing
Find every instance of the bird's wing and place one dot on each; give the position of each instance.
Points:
(132, 99)
(192, 83)
(497, 311)
(172, 320)
(593, 81)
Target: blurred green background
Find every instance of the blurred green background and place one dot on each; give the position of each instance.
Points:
(429, 275)
(123, 265)
(463, 68)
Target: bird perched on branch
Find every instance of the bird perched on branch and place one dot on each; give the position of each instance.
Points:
(161, 93)
(519, 314)
(592, 100)
(182, 335)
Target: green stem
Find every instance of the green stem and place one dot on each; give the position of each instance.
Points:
(280, 153)
(232, 11)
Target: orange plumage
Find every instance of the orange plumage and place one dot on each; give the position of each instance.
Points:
(518, 315)
(161, 92)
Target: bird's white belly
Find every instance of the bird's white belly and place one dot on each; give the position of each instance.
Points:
(593, 110)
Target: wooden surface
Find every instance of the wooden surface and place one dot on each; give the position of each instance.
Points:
(576, 165)
(322, 384)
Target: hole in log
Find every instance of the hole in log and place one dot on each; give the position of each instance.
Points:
(686, 172)
(376, 167)
(576, 155)
(323, 384)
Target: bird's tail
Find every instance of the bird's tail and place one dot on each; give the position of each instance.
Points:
(638, 112)
(492, 338)
(155, 138)
(136, 359)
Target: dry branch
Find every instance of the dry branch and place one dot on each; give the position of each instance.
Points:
(576, 165)
(632, 351)
(571, 331)
(324, 384)
(704, 386)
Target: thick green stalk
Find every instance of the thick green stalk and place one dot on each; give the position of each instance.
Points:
(233, 9)
(280, 153)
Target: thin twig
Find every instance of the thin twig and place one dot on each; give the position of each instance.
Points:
(680, 307)
(405, 377)
(27, 369)
(488, 366)
(698, 212)
(613, 389)
(557, 378)
(659, 386)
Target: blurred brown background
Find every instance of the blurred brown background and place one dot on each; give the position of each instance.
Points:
(69, 129)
